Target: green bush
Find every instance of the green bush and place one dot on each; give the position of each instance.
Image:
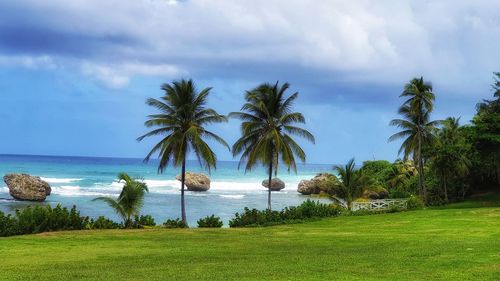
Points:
(414, 202)
(104, 223)
(45, 218)
(145, 220)
(307, 210)
(8, 225)
(210, 221)
(379, 170)
(177, 223)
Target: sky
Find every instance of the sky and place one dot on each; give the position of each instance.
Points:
(74, 75)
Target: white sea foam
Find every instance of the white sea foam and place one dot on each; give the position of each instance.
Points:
(239, 196)
(227, 188)
(162, 183)
(73, 190)
(246, 186)
(236, 186)
(60, 180)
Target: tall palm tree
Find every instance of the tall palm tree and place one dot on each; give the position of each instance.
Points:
(180, 123)
(130, 200)
(449, 154)
(417, 129)
(496, 84)
(267, 129)
(352, 182)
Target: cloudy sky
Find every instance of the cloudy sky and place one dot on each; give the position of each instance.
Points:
(74, 75)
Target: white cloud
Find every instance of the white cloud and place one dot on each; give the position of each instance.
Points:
(118, 75)
(384, 41)
(31, 62)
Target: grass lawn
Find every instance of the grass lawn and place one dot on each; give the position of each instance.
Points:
(461, 242)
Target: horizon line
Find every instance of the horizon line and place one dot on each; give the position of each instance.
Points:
(130, 158)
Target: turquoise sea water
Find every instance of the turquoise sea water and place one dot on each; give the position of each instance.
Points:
(78, 180)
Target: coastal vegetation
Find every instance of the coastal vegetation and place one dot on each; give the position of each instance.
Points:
(454, 242)
(210, 222)
(457, 160)
(267, 130)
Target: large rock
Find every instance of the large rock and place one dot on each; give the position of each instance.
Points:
(276, 184)
(323, 182)
(196, 182)
(306, 187)
(26, 187)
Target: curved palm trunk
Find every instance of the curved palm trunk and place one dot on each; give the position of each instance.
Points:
(269, 184)
(183, 204)
(128, 222)
(445, 189)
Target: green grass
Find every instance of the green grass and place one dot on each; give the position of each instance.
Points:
(461, 242)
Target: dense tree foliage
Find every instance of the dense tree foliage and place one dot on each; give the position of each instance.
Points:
(486, 132)
(449, 156)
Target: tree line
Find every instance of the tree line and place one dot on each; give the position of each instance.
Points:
(449, 158)
(442, 159)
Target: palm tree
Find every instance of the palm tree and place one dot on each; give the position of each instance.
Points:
(496, 84)
(267, 129)
(352, 183)
(180, 123)
(401, 173)
(449, 156)
(417, 129)
(130, 200)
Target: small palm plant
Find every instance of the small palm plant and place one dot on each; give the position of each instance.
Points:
(267, 130)
(181, 123)
(401, 174)
(130, 201)
(352, 183)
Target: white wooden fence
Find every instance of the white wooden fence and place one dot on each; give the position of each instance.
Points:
(380, 204)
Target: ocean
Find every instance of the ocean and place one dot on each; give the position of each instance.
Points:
(78, 180)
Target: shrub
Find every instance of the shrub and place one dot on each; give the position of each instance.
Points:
(104, 223)
(45, 218)
(142, 221)
(210, 221)
(307, 210)
(177, 223)
(414, 202)
(378, 169)
(8, 225)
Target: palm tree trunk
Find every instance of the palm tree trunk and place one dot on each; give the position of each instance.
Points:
(269, 182)
(421, 170)
(445, 189)
(497, 164)
(183, 205)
